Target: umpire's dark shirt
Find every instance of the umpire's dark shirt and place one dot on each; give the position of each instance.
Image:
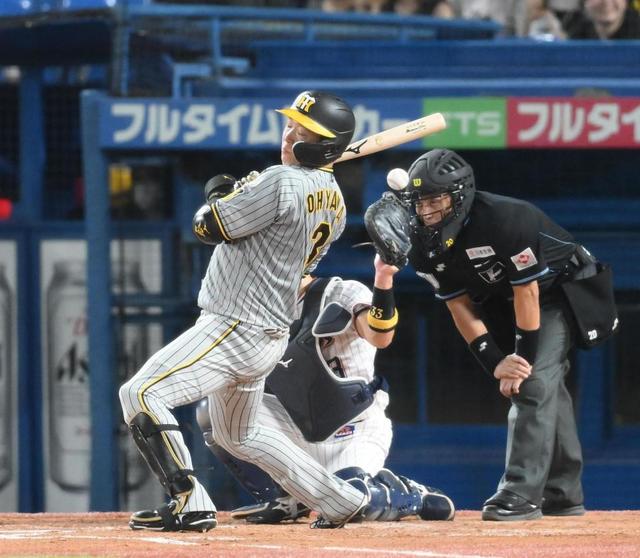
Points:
(504, 242)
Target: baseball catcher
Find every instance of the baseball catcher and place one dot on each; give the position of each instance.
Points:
(355, 446)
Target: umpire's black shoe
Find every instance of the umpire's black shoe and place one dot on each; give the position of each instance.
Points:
(561, 508)
(281, 509)
(508, 506)
(165, 518)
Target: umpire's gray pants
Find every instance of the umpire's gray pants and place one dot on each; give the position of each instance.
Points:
(544, 457)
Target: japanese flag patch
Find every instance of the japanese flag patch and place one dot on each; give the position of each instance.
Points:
(524, 259)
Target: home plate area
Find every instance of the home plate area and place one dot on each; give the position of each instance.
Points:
(597, 534)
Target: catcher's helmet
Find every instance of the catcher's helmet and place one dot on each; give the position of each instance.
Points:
(326, 115)
(435, 173)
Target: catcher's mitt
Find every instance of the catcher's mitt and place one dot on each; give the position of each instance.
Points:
(387, 222)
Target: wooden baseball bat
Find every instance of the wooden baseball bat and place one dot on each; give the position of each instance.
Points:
(397, 135)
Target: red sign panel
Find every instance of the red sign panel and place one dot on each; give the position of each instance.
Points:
(567, 122)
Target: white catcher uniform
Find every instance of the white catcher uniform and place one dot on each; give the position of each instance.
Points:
(276, 229)
(365, 441)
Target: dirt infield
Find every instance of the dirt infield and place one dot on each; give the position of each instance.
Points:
(601, 534)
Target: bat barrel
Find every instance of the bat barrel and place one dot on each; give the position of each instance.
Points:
(403, 133)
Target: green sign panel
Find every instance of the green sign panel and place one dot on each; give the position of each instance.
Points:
(472, 122)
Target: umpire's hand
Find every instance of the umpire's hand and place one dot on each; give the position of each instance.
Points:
(512, 367)
(509, 387)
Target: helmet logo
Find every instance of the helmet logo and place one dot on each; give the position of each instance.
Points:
(304, 102)
(449, 242)
(417, 182)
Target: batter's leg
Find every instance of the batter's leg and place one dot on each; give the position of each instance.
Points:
(173, 376)
(233, 416)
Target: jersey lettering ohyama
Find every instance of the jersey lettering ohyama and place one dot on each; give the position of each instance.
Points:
(254, 277)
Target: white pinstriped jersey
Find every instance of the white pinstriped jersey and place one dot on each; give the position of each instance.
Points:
(255, 277)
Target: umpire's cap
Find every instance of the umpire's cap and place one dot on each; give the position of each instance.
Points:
(329, 117)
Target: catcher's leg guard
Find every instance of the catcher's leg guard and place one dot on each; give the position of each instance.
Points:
(378, 495)
(158, 454)
(436, 505)
(253, 479)
(403, 500)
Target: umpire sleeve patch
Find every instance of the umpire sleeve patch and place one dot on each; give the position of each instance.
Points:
(524, 259)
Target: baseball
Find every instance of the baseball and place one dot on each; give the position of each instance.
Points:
(397, 179)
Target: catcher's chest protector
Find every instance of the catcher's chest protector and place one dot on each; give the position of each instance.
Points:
(316, 399)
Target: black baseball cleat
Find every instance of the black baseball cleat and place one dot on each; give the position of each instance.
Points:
(165, 518)
(275, 511)
(508, 506)
(436, 506)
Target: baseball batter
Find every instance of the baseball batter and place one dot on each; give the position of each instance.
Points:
(269, 233)
(358, 448)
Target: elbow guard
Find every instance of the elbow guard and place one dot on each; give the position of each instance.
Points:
(206, 226)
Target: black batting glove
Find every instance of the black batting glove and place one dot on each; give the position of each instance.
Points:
(218, 187)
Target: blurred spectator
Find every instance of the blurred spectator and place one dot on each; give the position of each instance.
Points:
(435, 8)
(442, 9)
(332, 5)
(512, 14)
(606, 19)
(567, 11)
(369, 6)
(542, 23)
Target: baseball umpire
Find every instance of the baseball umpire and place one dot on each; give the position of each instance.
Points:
(327, 398)
(267, 233)
(496, 260)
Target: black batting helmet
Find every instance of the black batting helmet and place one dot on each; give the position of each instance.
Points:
(326, 115)
(438, 172)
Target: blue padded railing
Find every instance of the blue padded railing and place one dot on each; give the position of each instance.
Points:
(219, 37)
(499, 59)
(313, 25)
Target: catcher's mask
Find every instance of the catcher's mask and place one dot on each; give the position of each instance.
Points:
(436, 173)
(326, 115)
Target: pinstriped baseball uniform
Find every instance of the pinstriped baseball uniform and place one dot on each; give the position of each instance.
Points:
(365, 441)
(276, 228)
(255, 279)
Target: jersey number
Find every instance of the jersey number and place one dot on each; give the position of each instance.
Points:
(319, 237)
